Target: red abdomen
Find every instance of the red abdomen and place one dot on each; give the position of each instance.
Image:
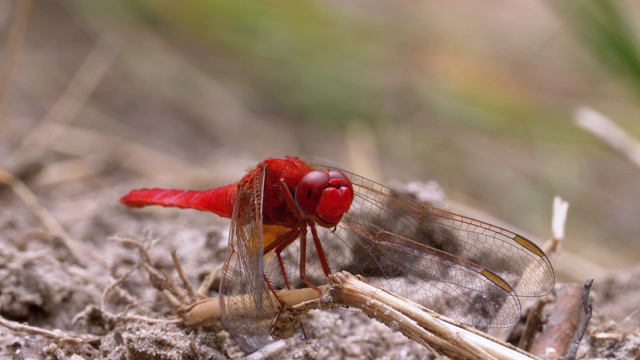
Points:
(219, 200)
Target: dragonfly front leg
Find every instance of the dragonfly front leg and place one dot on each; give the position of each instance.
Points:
(320, 250)
(303, 260)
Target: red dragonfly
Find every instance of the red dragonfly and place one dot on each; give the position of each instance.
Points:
(461, 267)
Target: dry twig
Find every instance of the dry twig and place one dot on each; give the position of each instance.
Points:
(185, 281)
(588, 309)
(53, 334)
(180, 298)
(610, 133)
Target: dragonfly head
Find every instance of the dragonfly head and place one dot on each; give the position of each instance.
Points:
(325, 195)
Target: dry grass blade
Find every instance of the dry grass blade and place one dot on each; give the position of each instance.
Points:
(53, 334)
(610, 133)
(131, 155)
(14, 43)
(70, 102)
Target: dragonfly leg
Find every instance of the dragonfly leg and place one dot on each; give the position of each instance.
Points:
(288, 198)
(279, 245)
(274, 328)
(280, 309)
(320, 250)
(273, 291)
(303, 262)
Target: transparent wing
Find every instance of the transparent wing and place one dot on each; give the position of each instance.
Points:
(458, 266)
(245, 301)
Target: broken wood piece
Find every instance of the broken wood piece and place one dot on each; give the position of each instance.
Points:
(563, 322)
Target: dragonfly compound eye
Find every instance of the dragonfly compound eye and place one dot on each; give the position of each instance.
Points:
(325, 194)
(310, 190)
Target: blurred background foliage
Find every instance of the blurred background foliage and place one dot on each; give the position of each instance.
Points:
(479, 96)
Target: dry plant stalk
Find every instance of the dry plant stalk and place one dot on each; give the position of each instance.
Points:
(447, 336)
(206, 313)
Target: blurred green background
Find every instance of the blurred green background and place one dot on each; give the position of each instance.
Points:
(479, 96)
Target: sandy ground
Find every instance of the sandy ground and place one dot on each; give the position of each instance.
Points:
(96, 300)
